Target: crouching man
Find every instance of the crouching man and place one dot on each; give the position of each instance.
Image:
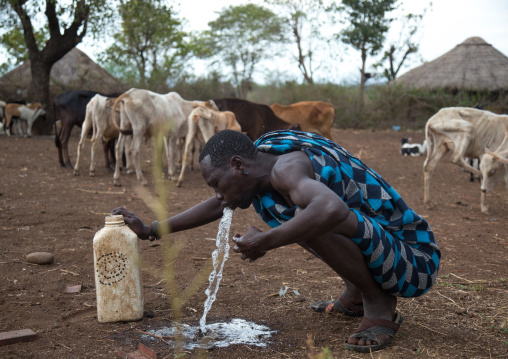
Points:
(313, 192)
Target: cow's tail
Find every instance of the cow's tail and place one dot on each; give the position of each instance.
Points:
(334, 113)
(58, 144)
(113, 117)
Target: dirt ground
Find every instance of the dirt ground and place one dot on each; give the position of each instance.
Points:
(44, 207)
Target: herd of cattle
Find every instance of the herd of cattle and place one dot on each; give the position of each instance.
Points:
(120, 121)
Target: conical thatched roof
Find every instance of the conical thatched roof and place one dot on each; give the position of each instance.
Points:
(471, 65)
(74, 71)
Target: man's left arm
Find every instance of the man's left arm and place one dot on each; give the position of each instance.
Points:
(320, 210)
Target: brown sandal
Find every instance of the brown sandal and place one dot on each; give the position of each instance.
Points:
(371, 329)
(340, 305)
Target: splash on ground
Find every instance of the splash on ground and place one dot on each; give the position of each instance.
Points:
(238, 331)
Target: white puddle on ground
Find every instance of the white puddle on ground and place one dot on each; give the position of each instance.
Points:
(238, 331)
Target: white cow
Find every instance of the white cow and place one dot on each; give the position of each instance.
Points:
(468, 133)
(207, 121)
(28, 113)
(143, 111)
(492, 166)
(98, 118)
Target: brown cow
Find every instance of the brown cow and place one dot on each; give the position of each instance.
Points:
(312, 116)
(207, 121)
(28, 113)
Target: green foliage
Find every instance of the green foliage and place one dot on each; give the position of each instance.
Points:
(98, 18)
(390, 105)
(15, 46)
(151, 49)
(203, 88)
(368, 23)
(240, 38)
(385, 105)
(367, 27)
(14, 34)
(344, 98)
(64, 22)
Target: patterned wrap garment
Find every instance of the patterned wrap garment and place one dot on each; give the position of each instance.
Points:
(397, 244)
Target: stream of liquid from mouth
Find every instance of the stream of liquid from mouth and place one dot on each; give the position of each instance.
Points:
(219, 257)
(238, 331)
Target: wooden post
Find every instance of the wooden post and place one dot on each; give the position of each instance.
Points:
(16, 336)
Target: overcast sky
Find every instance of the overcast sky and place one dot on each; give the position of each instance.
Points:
(449, 23)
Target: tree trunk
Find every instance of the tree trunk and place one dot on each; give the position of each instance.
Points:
(60, 42)
(301, 56)
(362, 81)
(40, 93)
(244, 88)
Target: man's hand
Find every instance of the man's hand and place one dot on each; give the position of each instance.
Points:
(249, 244)
(133, 221)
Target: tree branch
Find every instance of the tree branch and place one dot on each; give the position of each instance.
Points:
(410, 50)
(80, 19)
(28, 30)
(53, 23)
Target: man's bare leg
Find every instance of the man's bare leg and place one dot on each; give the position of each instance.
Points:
(346, 259)
(350, 293)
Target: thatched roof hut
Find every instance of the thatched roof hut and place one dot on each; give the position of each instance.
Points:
(72, 72)
(473, 65)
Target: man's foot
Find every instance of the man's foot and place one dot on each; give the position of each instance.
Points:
(373, 334)
(340, 305)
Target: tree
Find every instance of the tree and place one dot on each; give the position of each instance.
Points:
(240, 38)
(150, 48)
(402, 48)
(66, 23)
(14, 44)
(367, 27)
(301, 16)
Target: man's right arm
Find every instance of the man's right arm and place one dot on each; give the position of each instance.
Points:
(201, 214)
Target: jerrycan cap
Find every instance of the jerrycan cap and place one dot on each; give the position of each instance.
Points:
(115, 219)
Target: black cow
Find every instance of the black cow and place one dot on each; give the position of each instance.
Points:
(70, 108)
(256, 119)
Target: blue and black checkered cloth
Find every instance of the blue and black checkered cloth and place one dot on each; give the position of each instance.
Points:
(397, 244)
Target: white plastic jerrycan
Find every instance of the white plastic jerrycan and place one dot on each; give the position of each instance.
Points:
(117, 273)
